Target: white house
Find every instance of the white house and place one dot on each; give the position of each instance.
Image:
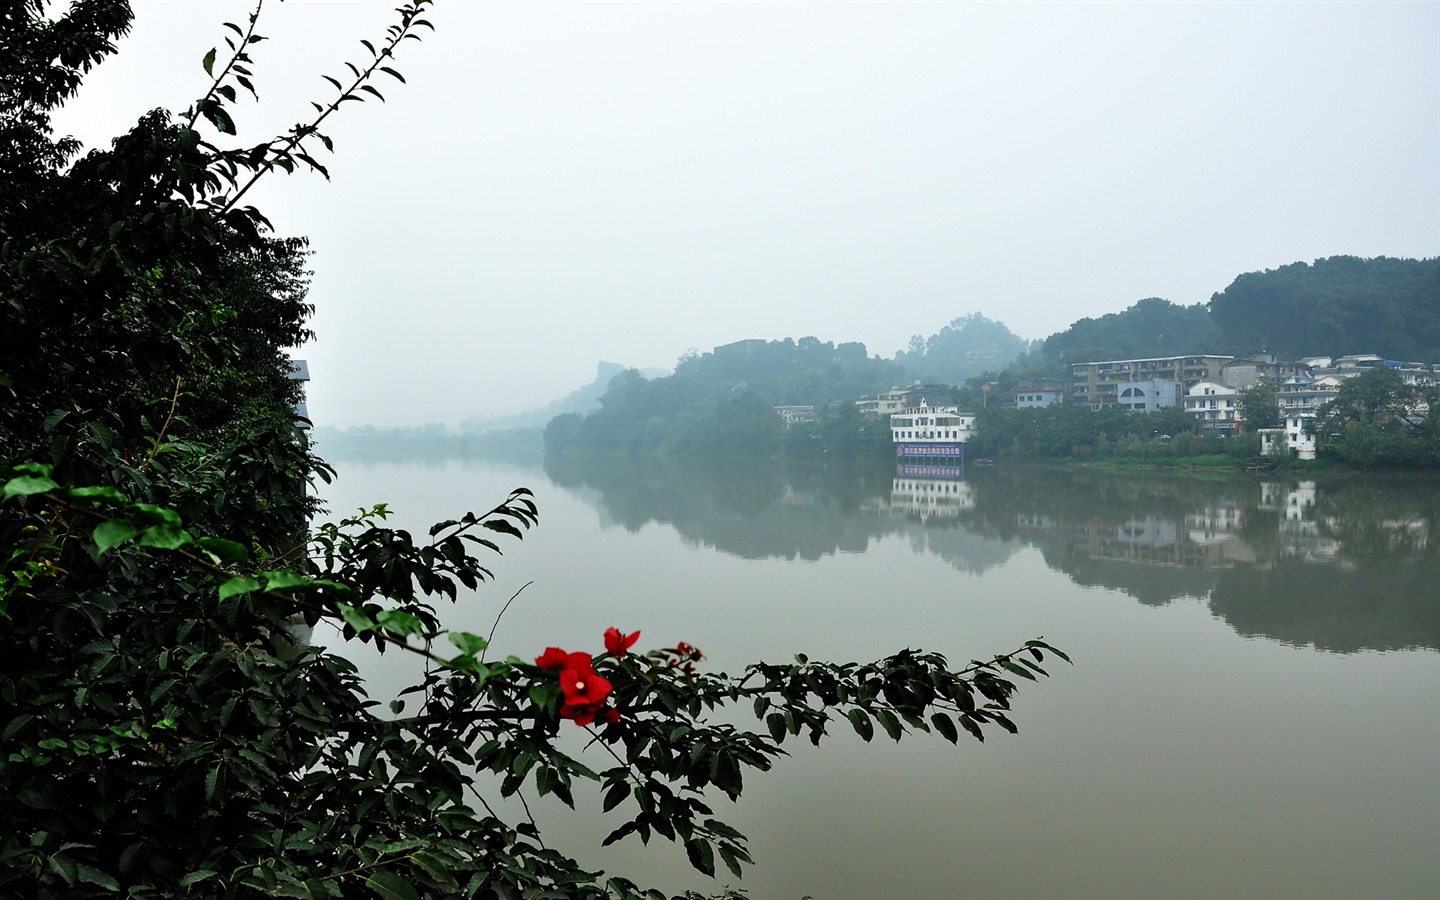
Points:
(1214, 405)
(1030, 397)
(888, 403)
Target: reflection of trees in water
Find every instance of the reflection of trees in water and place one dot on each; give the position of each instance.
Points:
(1343, 566)
(1378, 521)
(761, 509)
(1334, 608)
(1346, 565)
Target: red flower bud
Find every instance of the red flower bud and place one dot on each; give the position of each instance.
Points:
(616, 642)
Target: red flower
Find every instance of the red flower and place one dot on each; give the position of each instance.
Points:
(580, 715)
(584, 692)
(616, 642)
(582, 687)
(552, 658)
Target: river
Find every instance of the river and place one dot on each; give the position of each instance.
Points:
(1253, 709)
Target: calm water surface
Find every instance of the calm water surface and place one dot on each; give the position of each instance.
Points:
(1254, 709)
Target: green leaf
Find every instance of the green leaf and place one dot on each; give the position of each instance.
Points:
(776, 723)
(391, 886)
(112, 533)
(469, 644)
(92, 875)
(890, 723)
(946, 726)
(237, 586)
(164, 537)
(1017, 670)
(94, 493)
(392, 73)
(209, 62)
(284, 580)
(701, 855)
(617, 794)
(437, 868)
(357, 618)
(223, 551)
(503, 527)
(198, 875)
(973, 727)
(25, 485)
(731, 863)
(861, 723)
(155, 515)
(398, 621)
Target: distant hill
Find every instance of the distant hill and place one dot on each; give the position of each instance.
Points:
(970, 345)
(721, 402)
(1335, 306)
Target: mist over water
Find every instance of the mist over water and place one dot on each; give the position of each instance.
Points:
(1250, 714)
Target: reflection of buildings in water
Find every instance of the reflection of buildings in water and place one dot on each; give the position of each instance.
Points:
(1212, 536)
(1209, 539)
(1409, 533)
(927, 497)
(1294, 503)
(1213, 525)
(1033, 524)
(1150, 531)
(792, 497)
(1149, 540)
(1299, 529)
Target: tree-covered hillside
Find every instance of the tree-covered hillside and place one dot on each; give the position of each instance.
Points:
(713, 397)
(968, 346)
(1151, 327)
(1339, 305)
(790, 372)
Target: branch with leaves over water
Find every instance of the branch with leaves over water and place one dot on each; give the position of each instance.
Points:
(285, 151)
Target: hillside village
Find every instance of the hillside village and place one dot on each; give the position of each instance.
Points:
(1208, 386)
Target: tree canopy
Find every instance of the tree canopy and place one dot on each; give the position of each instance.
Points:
(1335, 306)
(1149, 328)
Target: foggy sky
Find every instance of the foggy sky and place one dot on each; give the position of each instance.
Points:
(563, 183)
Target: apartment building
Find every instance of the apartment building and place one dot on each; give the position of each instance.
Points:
(1133, 383)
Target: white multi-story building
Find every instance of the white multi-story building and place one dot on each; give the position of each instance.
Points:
(931, 432)
(1214, 405)
(1295, 438)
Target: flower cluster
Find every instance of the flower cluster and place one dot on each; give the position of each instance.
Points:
(584, 691)
(683, 657)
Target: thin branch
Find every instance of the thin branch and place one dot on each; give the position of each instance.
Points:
(300, 132)
(234, 58)
(496, 623)
(540, 840)
(169, 417)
